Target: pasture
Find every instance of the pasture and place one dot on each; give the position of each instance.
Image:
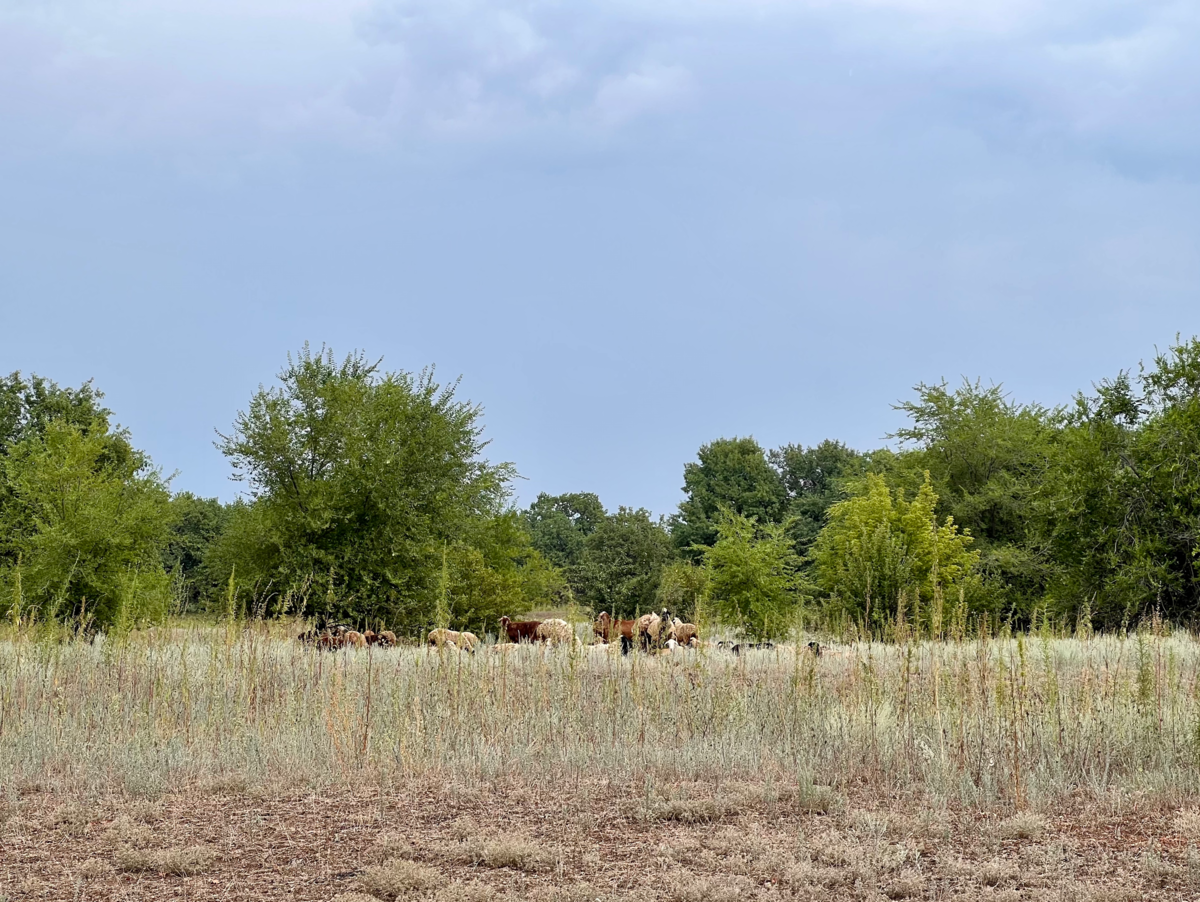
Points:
(233, 762)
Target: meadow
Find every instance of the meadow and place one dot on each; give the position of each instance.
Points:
(229, 761)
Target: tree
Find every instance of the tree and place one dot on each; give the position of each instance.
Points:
(1121, 511)
(683, 589)
(559, 525)
(813, 479)
(752, 576)
(730, 473)
(196, 523)
(880, 553)
(493, 570)
(360, 480)
(84, 527)
(988, 457)
(622, 563)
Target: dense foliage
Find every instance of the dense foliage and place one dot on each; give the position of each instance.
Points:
(84, 516)
(368, 499)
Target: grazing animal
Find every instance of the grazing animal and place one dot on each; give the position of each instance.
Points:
(520, 630)
(751, 646)
(650, 630)
(355, 638)
(442, 638)
(609, 629)
(815, 648)
(626, 644)
(387, 638)
(468, 641)
(554, 631)
(684, 633)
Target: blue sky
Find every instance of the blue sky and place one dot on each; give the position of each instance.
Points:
(632, 227)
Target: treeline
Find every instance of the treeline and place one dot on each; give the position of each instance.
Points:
(368, 498)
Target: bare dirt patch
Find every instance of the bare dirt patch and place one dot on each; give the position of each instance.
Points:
(470, 844)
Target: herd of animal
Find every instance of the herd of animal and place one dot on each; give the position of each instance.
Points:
(338, 636)
(649, 633)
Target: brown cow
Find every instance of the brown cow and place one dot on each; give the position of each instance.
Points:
(518, 630)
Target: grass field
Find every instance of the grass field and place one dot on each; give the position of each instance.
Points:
(200, 762)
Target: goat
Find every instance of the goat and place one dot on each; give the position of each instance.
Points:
(554, 631)
(520, 630)
(609, 629)
(815, 648)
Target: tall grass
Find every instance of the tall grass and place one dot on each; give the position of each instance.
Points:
(1021, 720)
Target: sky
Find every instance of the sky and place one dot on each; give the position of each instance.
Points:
(631, 227)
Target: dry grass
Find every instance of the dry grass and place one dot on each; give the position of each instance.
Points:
(1030, 769)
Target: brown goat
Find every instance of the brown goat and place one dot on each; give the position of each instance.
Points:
(610, 630)
(520, 630)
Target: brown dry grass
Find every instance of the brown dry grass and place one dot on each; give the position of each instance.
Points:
(538, 843)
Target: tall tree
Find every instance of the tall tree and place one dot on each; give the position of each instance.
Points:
(881, 553)
(729, 474)
(362, 480)
(988, 456)
(1122, 507)
(622, 563)
(752, 576)
(196, 524)
(814, 479)
(560, 524)
(83, 528)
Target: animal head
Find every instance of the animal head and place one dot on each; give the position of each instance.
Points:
(504, 622)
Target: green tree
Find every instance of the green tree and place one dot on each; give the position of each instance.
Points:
(752, 574)
(814, 480)
(84, 527)
(494, 570)
(359, 480)
(880, 553)
(988, 457)
(1122, 507)
(559, 525)
(196, 523)
(729, 473)
(683, 589)
(622, 563)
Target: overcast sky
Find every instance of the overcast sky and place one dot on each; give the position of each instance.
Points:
(631, 226)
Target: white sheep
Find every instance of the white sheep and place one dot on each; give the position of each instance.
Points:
(555, 632)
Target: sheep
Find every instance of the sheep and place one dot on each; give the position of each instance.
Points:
(684, 633)
(518, 630)
(387, 638)
(468, 641)
(554, 631)
(355, 638)
(444, 638)
(649, 629)
(609, 629)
